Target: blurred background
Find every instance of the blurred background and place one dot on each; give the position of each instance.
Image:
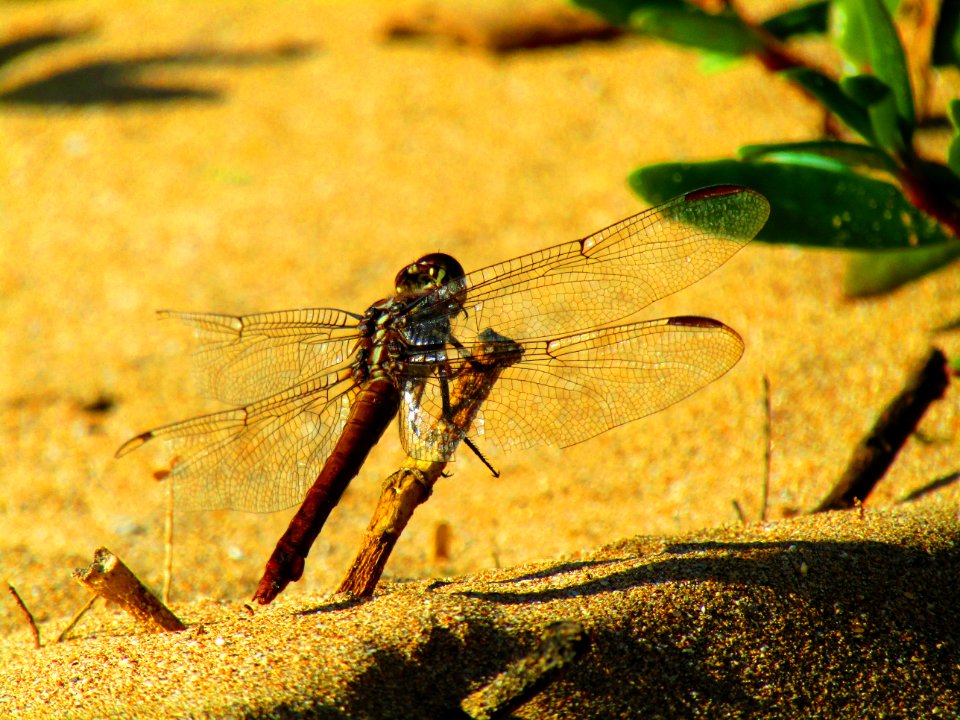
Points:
(250, 156)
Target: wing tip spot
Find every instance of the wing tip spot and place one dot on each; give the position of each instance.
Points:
(695, 321)
(133, 443)
(714, 191)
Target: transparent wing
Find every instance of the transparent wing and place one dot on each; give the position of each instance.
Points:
(241, 359)
(564, 391)
(610, 275)
(570, 385)
(567, 390)
(260, 457)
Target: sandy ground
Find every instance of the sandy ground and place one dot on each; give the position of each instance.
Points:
(273, 178)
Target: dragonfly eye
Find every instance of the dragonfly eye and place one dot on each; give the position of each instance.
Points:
(428, 273)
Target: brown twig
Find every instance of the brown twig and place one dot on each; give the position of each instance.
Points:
(160, 475)
(27, 615)
(109, 578)
(412, 484)
(563, 643)
(168, 544)
(767, 449)
(741, 516)
(407, 488)
(76, 618)
(877, 451)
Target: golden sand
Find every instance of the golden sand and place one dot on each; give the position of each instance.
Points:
(310, 160)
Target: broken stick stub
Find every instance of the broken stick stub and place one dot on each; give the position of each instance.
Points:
(109, 578)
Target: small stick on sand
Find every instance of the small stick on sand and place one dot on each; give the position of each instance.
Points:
(109, 578)
(407, 488)
(76, 617)
(877, 451)
(164, 474)
(27, 614)
(168, 545)
(768, 448)
(741, 516)
(562, 644)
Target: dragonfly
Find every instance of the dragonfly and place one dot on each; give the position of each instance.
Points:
(311, 391)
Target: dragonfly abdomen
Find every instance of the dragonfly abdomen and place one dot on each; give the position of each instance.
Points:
(371, 413)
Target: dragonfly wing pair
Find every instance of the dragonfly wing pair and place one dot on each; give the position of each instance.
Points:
(570, 375)
(578, 376)
(287, 373)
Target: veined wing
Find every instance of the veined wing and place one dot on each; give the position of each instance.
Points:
(241, 359)
(261, 457)
(568, 389)
(611, 274)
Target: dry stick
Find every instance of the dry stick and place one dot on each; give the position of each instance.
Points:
(765, 489)
(108, 577)
(412, 484)
(739, 511)
(168, 544)
(76, 618)
(164, 474)
(27, 614)
(407, 488)
(768, 449)
(877, 451)
(562, 644)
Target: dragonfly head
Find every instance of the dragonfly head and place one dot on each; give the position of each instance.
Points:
(427, 274)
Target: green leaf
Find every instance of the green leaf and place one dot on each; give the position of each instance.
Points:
(855, 155)
(803, 20)
(846, 26)
(811, 206)
(946, 38)
(953, 153)
(711, 63)
(829, 93)
(885, 53)
(616, 12)
(871, 93)
(684, 24)
(880, 272)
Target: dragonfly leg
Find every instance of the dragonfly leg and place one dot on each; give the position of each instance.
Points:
(476, 451)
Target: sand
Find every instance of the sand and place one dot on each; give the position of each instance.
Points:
(298, 159)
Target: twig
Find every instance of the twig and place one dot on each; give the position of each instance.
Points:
(412, 484)
(76, 617)
(168, 544)
(27, 614)
(164, 474)
(407, 488)
(768, 449)
(739, 511)
(877, 451)
(562, 644)
(108, 577)
(930, 487)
